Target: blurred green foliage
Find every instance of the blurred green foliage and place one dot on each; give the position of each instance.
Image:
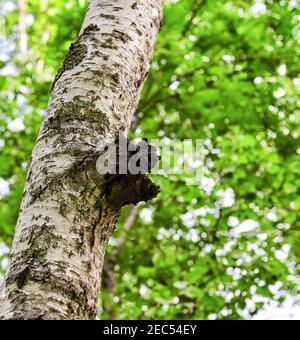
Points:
(224, 71)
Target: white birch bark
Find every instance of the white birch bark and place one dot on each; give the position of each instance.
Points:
(65, 219)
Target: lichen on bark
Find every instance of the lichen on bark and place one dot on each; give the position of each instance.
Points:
(77, 51)
(80, 109)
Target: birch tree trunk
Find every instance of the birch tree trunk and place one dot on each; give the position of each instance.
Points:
(66, 219)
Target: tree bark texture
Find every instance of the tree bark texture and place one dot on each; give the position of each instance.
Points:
(66, 219)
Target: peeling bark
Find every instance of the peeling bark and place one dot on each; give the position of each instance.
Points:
(66, 219)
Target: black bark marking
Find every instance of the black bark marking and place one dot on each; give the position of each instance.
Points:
(123, 36)
(108, 16)
(23, 277)
(90, 29)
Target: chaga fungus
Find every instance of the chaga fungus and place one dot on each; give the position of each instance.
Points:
(122, 190)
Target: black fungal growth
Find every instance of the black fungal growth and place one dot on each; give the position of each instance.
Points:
(124, 189)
